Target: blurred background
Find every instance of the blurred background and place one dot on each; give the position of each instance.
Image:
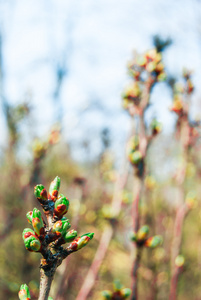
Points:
(63, 67)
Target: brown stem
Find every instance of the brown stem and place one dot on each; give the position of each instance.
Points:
(136, 263)
(136, 219)
(138, 184)
(173, 284)
(45, 284)
(176, 245)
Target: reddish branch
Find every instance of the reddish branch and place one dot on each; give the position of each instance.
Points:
(176, 245)
(104, 240)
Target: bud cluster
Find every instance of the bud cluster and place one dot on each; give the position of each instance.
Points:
(180, 90)
(133, 152)
(156, 127)
(47, 239)
(147, 68)
(141, 238)
(41, 147)
(119, 292)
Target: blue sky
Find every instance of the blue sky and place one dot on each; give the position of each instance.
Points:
(93, 40)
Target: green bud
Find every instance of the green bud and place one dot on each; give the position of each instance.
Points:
(37, 221)
(32, 244)
(61, 226)
(154, 241)
(61, 206)
(29, 216)
(40, 192)
(27, 232)
(50, 298)
(179, 261)
(142, 233)
(70, 236)
(24, 293)
(135, 157)
(80, 242)
(107, 295)
(162, 76)
(54, 188)
(125, 292)
(133, 236)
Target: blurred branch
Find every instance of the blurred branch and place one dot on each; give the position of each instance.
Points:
(105, 237)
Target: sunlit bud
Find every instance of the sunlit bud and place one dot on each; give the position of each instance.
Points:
(61, 206)
(40, 192)
(54, 188)
(135, 157)
(61, 226)
(162, 76)
(154, 241)
(70, 236)
(132, 144)
(177, 106)
(37, 222)
(24, 293)
(31, 242)
(125, 292)
(141, 60)
(50, 298)
(39, 148)
(27, 232)
(81, 241)
(107, 295)
(155, 126)
(150, 67)
(29, 216)
(179, 261)
(133, 236)
(142, 233)
(159, 67)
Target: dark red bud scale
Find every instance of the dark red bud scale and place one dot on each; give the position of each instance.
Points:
(53, 196)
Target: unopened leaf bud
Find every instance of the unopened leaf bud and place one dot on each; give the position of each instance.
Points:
(54, 188)
(70, 236)
(154, 241)
(179, 261)
(125, 293)
(80, 242)
(133, 236)
(142, 233)
(107, 295)
(29, 216)
(61, 206)
(24, 293)
(31, 241)
(40, 192)
(61, 226)
(27, 232)
(135, 157)
(37, 222)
